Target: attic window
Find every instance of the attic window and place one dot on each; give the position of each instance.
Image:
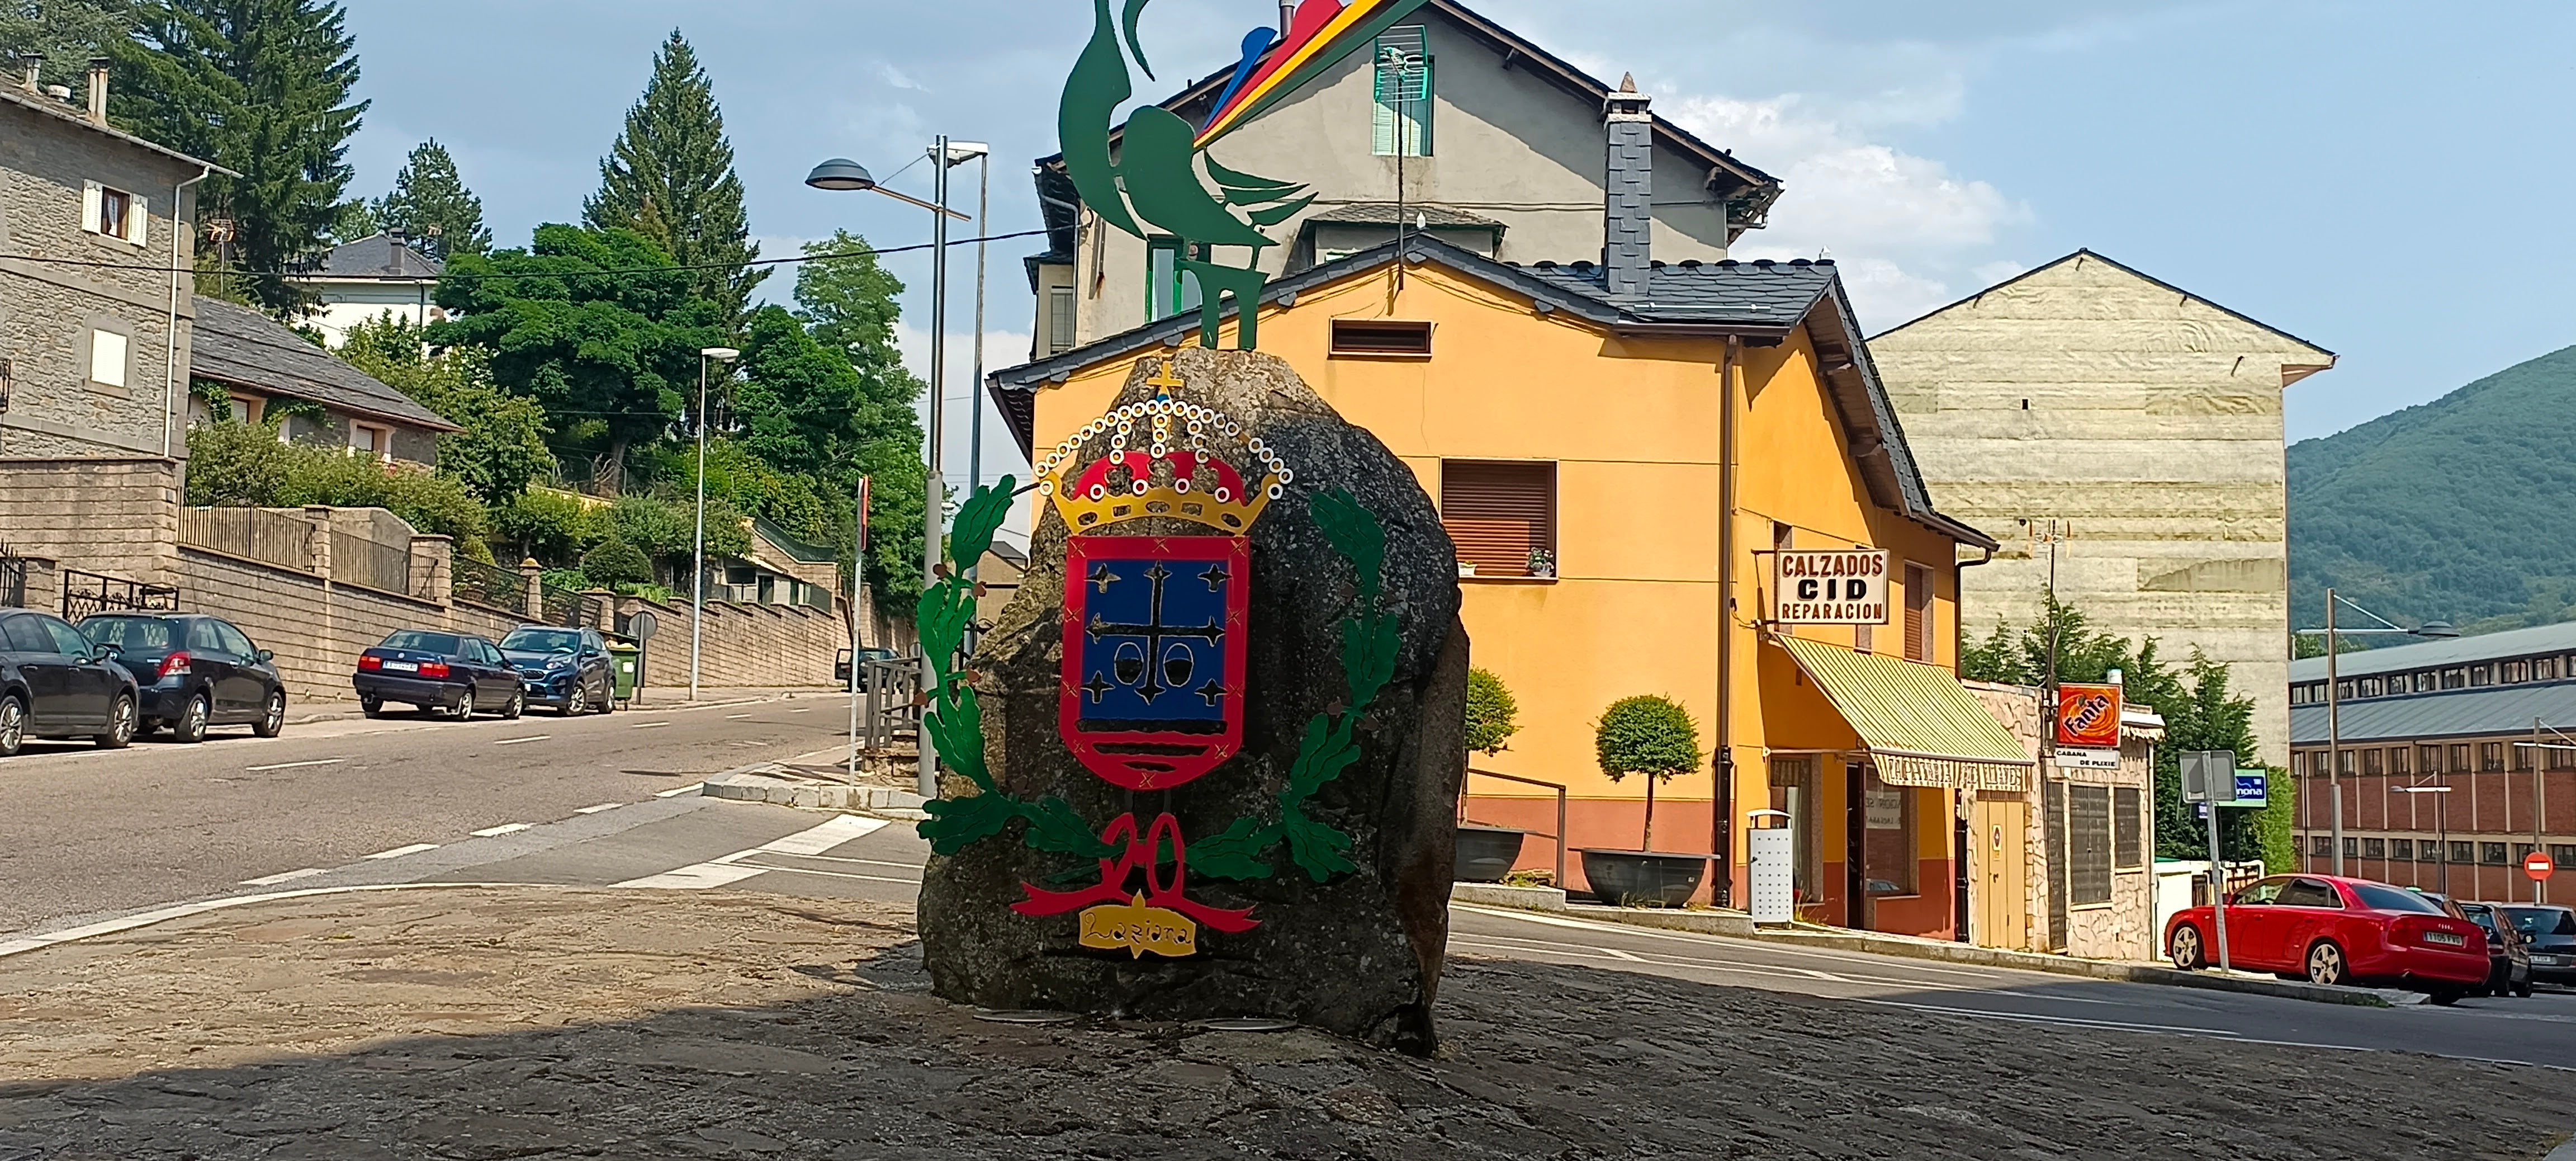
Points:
(1381, 337)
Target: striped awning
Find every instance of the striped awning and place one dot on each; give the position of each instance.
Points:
(1922, 728)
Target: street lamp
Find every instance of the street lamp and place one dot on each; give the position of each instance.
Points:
(841, 174)
(698, 583)
(2441, 825)
(2334, 707)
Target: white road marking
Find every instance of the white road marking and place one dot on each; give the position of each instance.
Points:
(647, 725)
(677, 791)
(516, 741)
(294, 765)
(736, 717)
(825, 874)
(730, 868)
(399, 852)
(864, 862)
(284, 877)
(1868, 959)
(806, 710)
(600, 807)
(504, 828)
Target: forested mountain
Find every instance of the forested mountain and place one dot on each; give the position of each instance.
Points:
(2462, 509)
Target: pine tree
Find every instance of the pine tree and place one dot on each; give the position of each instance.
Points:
(670, 178)
(261, 87)
(430, 201)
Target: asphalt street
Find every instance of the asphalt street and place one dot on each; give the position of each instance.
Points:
(592, 802)
(94, 833)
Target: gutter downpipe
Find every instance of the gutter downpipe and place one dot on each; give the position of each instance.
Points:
(1967, 834)
(170, 331)
(1722, 802)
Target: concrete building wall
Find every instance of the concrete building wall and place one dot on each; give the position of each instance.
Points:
(1505, 144)
(59, 405)
(763, 646)
(2148, 423)
(347, 302)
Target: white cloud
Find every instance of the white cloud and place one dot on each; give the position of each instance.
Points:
(895, 77)
(1908, 232)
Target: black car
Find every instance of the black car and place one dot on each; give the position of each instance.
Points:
(2551, 932)
(451, 674)
(565, 670)
(2506, 949)
(841, 665)
(194, 672)
(55, 683)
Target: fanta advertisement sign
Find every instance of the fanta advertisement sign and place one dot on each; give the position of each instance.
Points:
(1843, 587)
(2088, 716)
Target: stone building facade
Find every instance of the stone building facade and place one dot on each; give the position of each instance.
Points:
(95, 337)
(2138, 424)
(2066, 864)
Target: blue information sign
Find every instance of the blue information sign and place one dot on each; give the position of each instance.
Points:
(2253, 788)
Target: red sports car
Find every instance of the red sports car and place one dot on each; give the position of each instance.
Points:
(2337, 931)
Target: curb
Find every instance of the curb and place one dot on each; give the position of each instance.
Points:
(2565, 1152)
(756, 784)
(1736, 925)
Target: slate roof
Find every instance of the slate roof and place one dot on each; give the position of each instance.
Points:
(17, 95)
(1414, 213)
(242, 347)
(376, 257)
(2456, 713)
(2539, 639)
(1761, 301)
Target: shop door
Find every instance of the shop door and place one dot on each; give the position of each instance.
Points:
(1999, 831)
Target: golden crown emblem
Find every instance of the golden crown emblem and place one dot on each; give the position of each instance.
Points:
(1161, 462)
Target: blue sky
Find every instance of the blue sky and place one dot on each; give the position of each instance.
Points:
(2381, 179)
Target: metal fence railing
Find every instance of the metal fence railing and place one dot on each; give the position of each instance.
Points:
(486, 583)
(87, 594)
(13, 579)
(252, 534)
(370, 564)
(893, 690)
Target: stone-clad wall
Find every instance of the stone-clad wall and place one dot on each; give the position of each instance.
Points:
(115, 517)
(318, 629)
(763, 646)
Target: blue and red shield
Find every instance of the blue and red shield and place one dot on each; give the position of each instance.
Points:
(1154, 655)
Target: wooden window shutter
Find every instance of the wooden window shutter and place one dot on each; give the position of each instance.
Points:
(1918, 613)
(1498, 514)
(138, 218)
(91, 195)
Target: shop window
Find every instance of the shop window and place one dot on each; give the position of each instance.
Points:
(2088, 845)
(1887, 844)
(1401, 121)
(2128, 829)
(2374, 848)
(1501, 516)
(1793, 791)
(2492, 854)
(1918, 613)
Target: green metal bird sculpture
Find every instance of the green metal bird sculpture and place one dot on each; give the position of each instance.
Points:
(1156, 178)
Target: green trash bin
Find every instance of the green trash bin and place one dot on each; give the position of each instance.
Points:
(626, 660)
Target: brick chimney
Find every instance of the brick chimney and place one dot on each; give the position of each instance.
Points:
(1627, 244)
(98, 90)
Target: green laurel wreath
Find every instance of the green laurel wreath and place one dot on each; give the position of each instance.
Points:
(955, 721)
(1369, 639)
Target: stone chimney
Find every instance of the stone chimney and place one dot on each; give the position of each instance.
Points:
(34, 63)
(1627, 244)
(98, 90)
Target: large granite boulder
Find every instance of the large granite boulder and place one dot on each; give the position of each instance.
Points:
(1359, 953)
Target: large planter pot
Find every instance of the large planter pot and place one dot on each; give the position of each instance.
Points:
(1487, 853)
(1643, 878)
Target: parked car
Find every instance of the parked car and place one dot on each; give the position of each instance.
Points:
(841, 665)
(194, 672)
(55, 683)
(2338, 931)
(565, 670)
(452, 674)
(2551, 933)
(2508, 957)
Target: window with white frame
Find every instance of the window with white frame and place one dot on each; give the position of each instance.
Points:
(368, 439)
(113, 213)
(109, 355)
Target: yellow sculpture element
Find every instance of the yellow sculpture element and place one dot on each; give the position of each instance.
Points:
(1139, 929)
(1166, 457)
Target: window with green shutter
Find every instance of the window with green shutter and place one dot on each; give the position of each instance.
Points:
(1403, 90)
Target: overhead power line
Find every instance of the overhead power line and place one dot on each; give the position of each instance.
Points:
(537, 274)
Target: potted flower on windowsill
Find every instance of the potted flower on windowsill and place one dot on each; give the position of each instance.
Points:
(1487, 853)
(1655, 737)
(1541, 564)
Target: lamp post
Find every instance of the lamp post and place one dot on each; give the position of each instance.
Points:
(842, 174)
(2334, 702)
(698, 558)
(2441, 825)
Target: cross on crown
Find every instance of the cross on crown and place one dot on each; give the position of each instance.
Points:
(1178, 471)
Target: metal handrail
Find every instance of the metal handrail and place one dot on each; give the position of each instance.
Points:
(1558, 838)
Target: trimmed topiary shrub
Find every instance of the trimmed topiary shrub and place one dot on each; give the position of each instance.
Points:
(1491, 713)
(615, 562)
(1646, 735)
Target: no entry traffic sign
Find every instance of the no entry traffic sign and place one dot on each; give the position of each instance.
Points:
(2538, 866)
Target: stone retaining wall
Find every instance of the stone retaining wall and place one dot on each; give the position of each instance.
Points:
(750, 646)
(116, 517)
(318, 628)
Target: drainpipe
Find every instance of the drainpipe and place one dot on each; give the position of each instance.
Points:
(1722, 803)
(170, 332)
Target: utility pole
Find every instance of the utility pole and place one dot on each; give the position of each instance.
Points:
(2334, 735)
